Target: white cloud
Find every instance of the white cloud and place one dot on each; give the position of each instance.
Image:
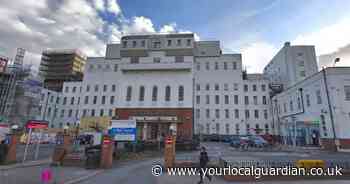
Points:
(330, 42)
(40, 24)
(113, 7)
(168, 28)
(257, 55)
(99, 5)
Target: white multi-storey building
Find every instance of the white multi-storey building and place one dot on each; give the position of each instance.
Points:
(228, 101)
(171, 80)
(317, 107)
(293, 63)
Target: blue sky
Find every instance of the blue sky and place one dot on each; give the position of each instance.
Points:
(255, 28)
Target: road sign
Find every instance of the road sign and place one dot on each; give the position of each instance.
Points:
(123, 130)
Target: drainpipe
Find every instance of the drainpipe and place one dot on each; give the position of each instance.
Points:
(329, 106)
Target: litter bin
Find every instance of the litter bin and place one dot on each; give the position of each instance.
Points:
(3, 153)
(93, 157)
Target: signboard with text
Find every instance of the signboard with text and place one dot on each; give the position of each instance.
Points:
(37, 124)
(123, 130)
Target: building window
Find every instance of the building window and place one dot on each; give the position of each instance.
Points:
(217, 99)
(225, 65)
(92, 112)
(179, 59)
(263, 87)
(198, 66)
(207, 99)
(302, 73)
(255, 99)
(178, 42)
(308, 100)
(234, 64)
(264, 99)
(217, 128)
(227, 99)
(247, 115)
(216, 87)
(198, 99)
(96, 88)
(111, 100)
(237, 129)
(198, 87)
(115, 67)
(347, 93)
(87, 88)
(217, 113)
(70, 112)
(198, 113)
(245, 88)
(318, 97)
(142, 94)
(49, 111)
(216, 66)
(134, 43)
(236, 99)
(236, 113)
(226, 87)
(74, 89)
(207, 66)
(291, 107)
(207, 87)
(154, 93)
(113, 88)
(256, 114)
(156, 45)
(265, 114)
(169, 43)
(285, 107)
(227, 128)
(235, 86)
(128, 93)
(167, 93)
(66, 89)
(64, 100)
(86, 100)
(62, 113)
(110, 113)
(58, 100)
(156, 60)
(125, 44)
(188, 42)
(95, 100)
(134, 60)
(208, 128)
(301, 63)
(104, 88)
(143, 43)
(227, 114)
(101, 112)
(300, 54)
(84, 112)
(207, 113)
(72, 101)
(254, 87)
(181, 93)
(103, 100)
(246, 100)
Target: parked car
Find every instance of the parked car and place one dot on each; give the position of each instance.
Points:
(235, 142)
(244, 142)
(258, 141)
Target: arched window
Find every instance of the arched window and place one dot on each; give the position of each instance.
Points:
(142, 94)
(154, 93)
(128, 93)
(181, 93)
(167, 93)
